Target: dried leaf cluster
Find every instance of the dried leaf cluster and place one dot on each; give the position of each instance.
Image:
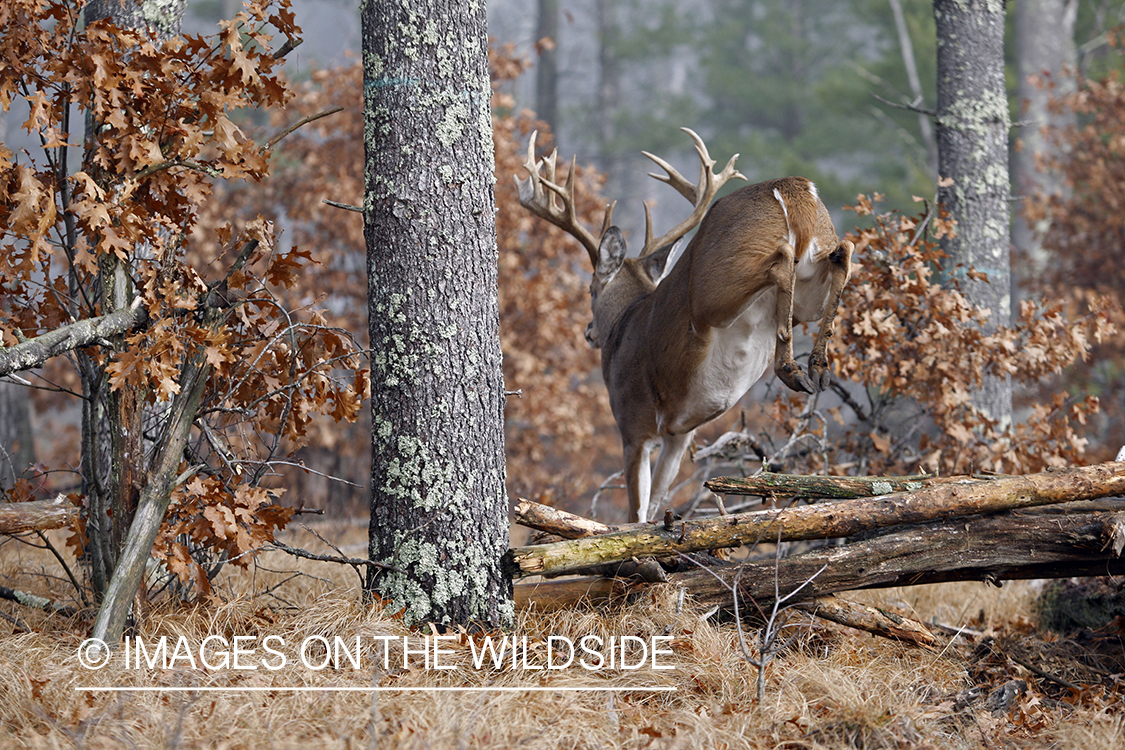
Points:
(1086, 229)
(918, 347)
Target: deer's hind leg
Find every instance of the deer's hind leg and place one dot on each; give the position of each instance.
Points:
(783, 276)
(840, 260)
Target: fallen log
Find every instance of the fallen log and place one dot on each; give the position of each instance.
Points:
(37, 515)
(987, 548)
(801, 487)
(872, 620)
(824, 521)
(549, 596)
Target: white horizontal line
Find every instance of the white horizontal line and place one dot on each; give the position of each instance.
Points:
(290, 689)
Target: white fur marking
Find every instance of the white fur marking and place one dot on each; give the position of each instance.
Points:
(785, 210)
(812, 189)
(740, 353)
(674, 256)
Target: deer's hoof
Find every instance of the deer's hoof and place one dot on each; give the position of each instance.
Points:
(793, 376)
(820, 375)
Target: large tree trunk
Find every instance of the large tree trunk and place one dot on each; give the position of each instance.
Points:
(972, 137)
(438, 503)
(1046, 61)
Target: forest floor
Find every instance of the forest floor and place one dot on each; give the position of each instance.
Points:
(1006, 682)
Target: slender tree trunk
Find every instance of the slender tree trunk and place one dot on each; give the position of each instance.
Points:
(547, 67)
(17, 448)
(906, 46)
(438, 503)
(1046, 61)
(113, 463)
(972, 136)
(17, 445)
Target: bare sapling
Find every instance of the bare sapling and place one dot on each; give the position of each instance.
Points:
(685, 331)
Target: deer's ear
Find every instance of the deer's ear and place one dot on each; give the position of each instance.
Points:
(657, 264)
(611, 254)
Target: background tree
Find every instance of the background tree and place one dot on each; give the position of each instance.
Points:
(1087, 229)
(113, 422)
(1046, 66)
(972, 137)
(438, 505)
(547, 63)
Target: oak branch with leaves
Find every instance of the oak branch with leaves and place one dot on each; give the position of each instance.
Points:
(228, 376)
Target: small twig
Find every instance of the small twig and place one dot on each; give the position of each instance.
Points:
(912, 107)
(303, 121)
(345, 206)
(852, 404)
(1037, 670)
(291, 44)
(353, 561)
(66, 568)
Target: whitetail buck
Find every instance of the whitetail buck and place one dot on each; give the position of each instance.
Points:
(683, 340)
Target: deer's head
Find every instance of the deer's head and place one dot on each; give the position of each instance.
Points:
(617, 280)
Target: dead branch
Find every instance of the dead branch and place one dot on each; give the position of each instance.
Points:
(558, 522)
(830, 520)
(549, 596)
(798, 486)
(35, 352)
(353, 561)
(38, 515)
(37, 602)
(876, 621)
(989, 548)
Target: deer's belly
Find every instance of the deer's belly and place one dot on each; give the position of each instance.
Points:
(738, 356)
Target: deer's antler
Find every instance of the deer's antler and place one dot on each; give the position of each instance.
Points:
(699, 195)
(536, 199)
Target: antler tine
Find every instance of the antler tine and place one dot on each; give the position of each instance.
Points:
(648, 228)
(544, 202)
(674, 178)
(699, 195)
(607, 219)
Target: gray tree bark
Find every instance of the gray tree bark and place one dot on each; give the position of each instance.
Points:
(17, 443)
(1045, 54)
(972, 136)
(438, 504)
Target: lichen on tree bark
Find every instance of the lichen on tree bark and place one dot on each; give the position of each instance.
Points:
(438, 508)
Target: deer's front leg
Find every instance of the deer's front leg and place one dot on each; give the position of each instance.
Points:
(638, 479)
(783, 276)
(840, 260)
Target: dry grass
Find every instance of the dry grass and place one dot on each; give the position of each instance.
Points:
(834, 688)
